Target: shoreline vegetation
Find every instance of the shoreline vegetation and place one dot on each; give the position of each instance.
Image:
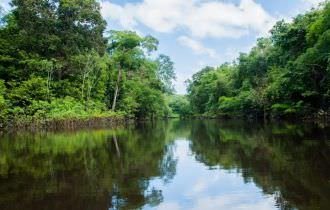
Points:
(285, 75)
(92, 121)
(113, 120)
(59, 66)
(59, 71)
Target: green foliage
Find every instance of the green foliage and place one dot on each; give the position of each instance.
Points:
(229, 104)
(166, 73)
(56, 63)
(24, 93)
(137, 84)
(201, 87)
(264, 151)
(3, 103)
(286, 75)
(98, 157)
(179, 106)
(287, 110)
(71, 108)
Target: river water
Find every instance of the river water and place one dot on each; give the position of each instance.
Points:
(168, 165)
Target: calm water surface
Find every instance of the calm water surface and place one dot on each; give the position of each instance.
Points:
(168, 165)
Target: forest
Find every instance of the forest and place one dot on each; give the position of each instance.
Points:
(286, 75)
(59, 60)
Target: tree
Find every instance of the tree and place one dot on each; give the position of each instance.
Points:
(166, 73)
(127, 51)
(286, 74)
(58, 29)
(55, 62)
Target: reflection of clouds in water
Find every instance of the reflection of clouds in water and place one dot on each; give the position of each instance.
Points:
(203, 184)
(197, 187)
(228, 202)
(182, 151)
(169, 206)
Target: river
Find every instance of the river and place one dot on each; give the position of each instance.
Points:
(175, 164)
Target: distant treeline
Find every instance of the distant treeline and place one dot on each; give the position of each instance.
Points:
(284, 75)
(57, 61)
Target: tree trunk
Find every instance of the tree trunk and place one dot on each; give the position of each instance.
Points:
(116, 90)
(49, 78)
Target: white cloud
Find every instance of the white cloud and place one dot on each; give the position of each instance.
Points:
(201, 18)
(116, 12)
(196, 46)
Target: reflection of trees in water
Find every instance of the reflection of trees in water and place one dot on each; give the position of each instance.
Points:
(168, 165)
(85, 170)
(105, 169)
(291, 162)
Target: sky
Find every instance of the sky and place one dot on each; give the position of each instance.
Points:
(199, 33)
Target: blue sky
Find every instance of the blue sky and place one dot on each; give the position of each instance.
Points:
(196, 33)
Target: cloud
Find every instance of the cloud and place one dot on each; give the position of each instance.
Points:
(196, 46)
(116, 12)
(200, 18)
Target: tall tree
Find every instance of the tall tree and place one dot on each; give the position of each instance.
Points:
(127, 51)
(166, 73)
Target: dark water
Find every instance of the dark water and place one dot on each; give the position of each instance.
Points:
(168, 165)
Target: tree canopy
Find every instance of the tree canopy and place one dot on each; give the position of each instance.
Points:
(56, 52)
(284, 75)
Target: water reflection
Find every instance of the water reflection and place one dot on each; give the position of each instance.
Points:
(290, 162)
(168, 165)
(85, 170)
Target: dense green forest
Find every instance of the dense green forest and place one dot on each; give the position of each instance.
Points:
(285, 75)
(59, 61)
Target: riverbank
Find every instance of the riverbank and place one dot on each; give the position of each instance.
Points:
(320, 117)
(114, 119)
(105, 119)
